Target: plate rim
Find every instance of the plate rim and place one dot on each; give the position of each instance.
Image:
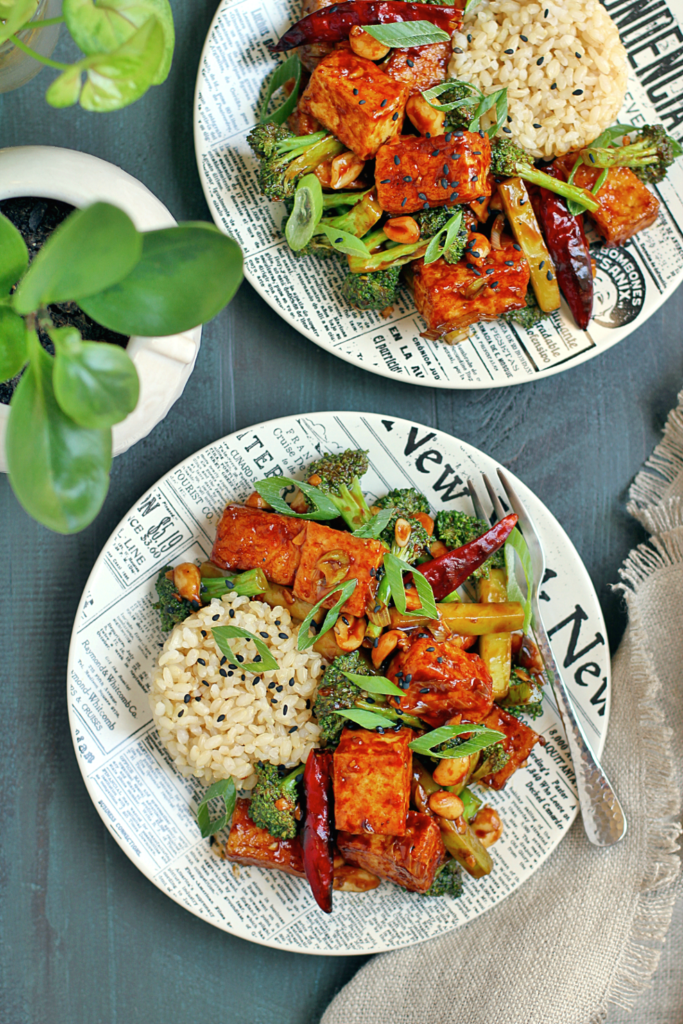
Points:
(137, 861)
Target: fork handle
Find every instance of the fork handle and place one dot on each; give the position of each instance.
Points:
(603, 817)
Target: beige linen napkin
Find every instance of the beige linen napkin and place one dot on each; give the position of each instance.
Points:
(580, 942)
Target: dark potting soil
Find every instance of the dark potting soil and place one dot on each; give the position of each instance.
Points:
(36, 219)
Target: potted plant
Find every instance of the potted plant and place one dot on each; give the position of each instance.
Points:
(127, 47)
(149, 283)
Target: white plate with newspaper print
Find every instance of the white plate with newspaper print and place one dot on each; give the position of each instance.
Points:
(150, 809)
(632, 281)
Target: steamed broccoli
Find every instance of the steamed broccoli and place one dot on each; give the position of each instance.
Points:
(432, 221)
(649, 155)
(408, 499)
(171, 606)
(274, 799)
(510, 161)
(524, 696)
(372, 291)
(286, 157)
(337, 693)
(527, 317)
(492, 759)
(447, 881)
(457, 528)
(417, 543)
(338, 476)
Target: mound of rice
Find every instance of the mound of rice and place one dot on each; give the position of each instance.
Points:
(566, 75)
(216, 720)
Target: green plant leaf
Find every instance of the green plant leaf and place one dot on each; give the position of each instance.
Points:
(372, 529)
(407, 33)
(366, 719)
(290, 69)
(96, 384)
(374, 684)
(14, 15)
(394, 568)
(516, 543)
(304, 641)
(58, 470)
(113, 80)
(13, 351)
(185, 277)
(342, 241)
(91, 250)
(101, 26)
(13, 255)
(224, 788)
(307, 211)
(322, 507)
(266, 662)
(481, 738)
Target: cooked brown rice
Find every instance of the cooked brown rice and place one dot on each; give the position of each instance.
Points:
(566, 75)
(267, 717)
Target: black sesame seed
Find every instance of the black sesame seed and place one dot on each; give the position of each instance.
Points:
(370, 700)
(509, 263)
(454, 196)
(203, 632)
(476, 152)
(273, 700)
(508, 51)
(522, 202)
(283, 636)
(579, 55)
(257, 657)
(199, 697)
(554, 85)
(187, 698)
(430, 649)
(240, 659)
(493, 284)
(541, 265)
(545, 13)
(421, 195)
(215, 618)
(271, 686)
(285, 710)
(445, 168)
(230, 674)
(263, 634)
(231, 613)
(507, 130)
(476, 255)
(279, 689)
(538, 126)
(475, 271)
(475, 177)
(407, 177)
(490, 271)
(243, 678)
(291, 681)
(383, 103)
(482, 135)
(549, 275)
(469, 39)
(355, 92)
(577, 92)
(308, 704)
(458, 134)
(221, 718)
(428, 135)
(456, 49)
(425, 689)
(540, 61)
(361, 102)
(200, 661)
(375, 642)
(380, 730)
(293, 729)
(222, 672)
(592, 158)
(230, 584)
(377, 608)
(444, 183)
(397, 160)
(394, 117)
(517, 247)
(524, 39)
(404, 201)
(425, 206)
(448, 136)
(277, 622)
(233, 667)
(409, 678)
(410, 63)
(181, 713)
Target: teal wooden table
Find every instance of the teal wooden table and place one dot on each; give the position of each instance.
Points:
(84, 937)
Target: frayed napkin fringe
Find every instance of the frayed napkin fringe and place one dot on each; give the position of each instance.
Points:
(663, 467)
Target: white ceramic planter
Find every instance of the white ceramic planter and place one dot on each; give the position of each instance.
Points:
(163, 364)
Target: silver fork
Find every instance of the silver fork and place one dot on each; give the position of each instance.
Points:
(603, 817)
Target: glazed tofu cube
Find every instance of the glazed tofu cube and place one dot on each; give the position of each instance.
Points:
(626, 205)
(414, 173)
(453, 296)
(411, 860)
(330, 558)
(443, 680)
(249, 538)
(420, 67)
(249, 844)
(371, 776)
(519, 739)
(356, 101)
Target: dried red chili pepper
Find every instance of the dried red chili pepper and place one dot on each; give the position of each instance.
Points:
(332, 24)
(317, 835)
(449, 571)
(566, 241)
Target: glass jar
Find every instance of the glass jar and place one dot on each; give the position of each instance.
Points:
(16, 67)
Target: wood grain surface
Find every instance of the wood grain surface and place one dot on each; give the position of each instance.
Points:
(84, 937)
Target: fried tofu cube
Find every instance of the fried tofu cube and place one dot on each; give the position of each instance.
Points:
(453, 296)
(443, 680)
(411, 860)
(371, 775)
(419, 67)
(249, 538)
(330, 558)
(249, 844)
(356, 101)
(414, 173)
(518, 742)
(626, 205)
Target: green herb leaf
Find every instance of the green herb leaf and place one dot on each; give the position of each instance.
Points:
(305, 641)
(13, 351)
(516, 543)
(437, 90)
(270, 488)
(394, 568)
(290, 69)
(96, 384)
(13, 255)
(185, 276)
(14, 15)
(307, 211)
(481, 738)
(58, 470)
(366, 719)
(226, 789)
(222, 634)
(450, 229)
(91, 250)
(407, 33)
(372, 529)
(103, 27)
(342, 241)
(374, 684)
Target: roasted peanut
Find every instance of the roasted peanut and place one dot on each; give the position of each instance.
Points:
(478, 248)
(487, 826)
(446, 805)
(344, 169)
(188, 581)
(256, 501)
(365, 45)
(349, 632)
(402, 532)
(426, 119)
(451, 770)
(388, 642)
(299, 504)
(402, 229)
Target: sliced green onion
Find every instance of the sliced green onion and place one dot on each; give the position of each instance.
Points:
(481, 738)
(270, 488)
(290, 69)
(265, 663)
(374, 684)
(226, 789)
(304, 641)
(394, 568)
(308, 209)
(372, 529)
(407, 33)
(516, 544)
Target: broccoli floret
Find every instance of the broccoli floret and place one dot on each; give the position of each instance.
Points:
(432, 221)
(649, 155)
(339, 477)
(460, 117)
(511, 161)
(286, 157)
(447, 881)
(534, 710)
(171, 606)
(524, 696)
(493, 758)
(407, 499)
(455, 528)
(274, 799)
(372, 291)
(528, 316)
(416, 545)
